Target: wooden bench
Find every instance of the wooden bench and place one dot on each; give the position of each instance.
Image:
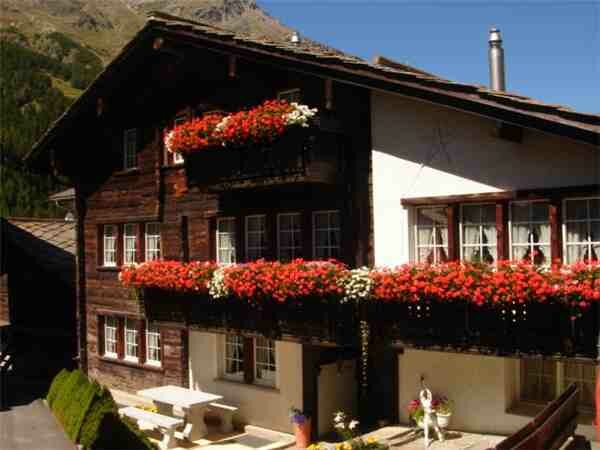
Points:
(165, 424)
(226, 413)
(550, 429)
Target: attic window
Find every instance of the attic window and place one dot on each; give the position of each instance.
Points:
(290, 95)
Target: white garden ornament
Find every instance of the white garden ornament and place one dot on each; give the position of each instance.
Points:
(429, 417)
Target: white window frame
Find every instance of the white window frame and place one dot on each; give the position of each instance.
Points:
(588, 220)
(271, 347)
(262, 250)
(113, 241)
(435, 227)
(329, 228)
(530, 222)
(481, 245)
(129, 256)
(128, 332)
(237, 376)
(218, 240)
(178, 157)
(296, 251)
(130, 151)
(561, 385)
(149, 348)
(281, 95)
(154, 253)
(108, 339)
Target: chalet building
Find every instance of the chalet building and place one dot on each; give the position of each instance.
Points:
(37, 298)
(401, 166)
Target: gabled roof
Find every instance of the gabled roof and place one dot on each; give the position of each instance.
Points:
(311, 57)
(49, 242)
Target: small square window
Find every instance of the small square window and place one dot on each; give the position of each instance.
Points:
(153, 345)
(326, 234)
(225, 240)
(111, 325)
(234, 357)
(153, 243)
(129, 243)
(109, 241)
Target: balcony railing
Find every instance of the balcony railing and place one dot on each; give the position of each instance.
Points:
(299, 156)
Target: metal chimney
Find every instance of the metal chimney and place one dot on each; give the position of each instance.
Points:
(496, 55)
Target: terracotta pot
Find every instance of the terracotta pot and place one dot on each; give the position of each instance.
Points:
(302, 432)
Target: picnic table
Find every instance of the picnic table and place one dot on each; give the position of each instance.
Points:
(193, 404)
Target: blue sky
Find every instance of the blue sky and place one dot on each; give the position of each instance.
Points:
(552, 47)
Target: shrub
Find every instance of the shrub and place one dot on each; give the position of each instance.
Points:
(73, 383)
(81, 400)
(56, 386)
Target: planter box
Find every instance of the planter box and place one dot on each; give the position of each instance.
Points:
(299, 156)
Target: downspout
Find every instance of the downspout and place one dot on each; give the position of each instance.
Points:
(81, 309)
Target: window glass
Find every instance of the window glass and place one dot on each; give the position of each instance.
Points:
(226, 244)
(110, 245)
(582, 230)
(265, 361)
(129, 244)
(110, 336)
(291, 95)
(234, 356)
(326, 234)
(256, 237)
(131, 339)
(152, 241)
(478, 233)
(530, 232)
(153, 344)
(432, 235)
(130, 148)
(290, 236)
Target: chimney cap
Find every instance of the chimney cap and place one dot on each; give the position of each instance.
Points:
(495, 36)
(295, 38)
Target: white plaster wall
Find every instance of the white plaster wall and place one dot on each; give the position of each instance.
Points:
(482, 388)
(337, 392)
(258, 405)
(408, 161)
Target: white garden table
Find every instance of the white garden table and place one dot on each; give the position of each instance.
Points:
(193, 403)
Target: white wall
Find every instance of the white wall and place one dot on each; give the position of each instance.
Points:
(482, 389)
(337, 392)
(408, 161)
(258, 405)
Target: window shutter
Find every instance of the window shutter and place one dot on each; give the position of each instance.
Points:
(119, 245)
(100, 335)
(141, 254)
(100, 246)
(248, 360)
(185, 245)
(121, 338)
(554, 214)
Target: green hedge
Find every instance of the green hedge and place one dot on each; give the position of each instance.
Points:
(56, 386)
(90, 416)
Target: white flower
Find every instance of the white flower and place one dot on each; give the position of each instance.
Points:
(352, 425)
(339, 417)
(358, 285)
(300, 115)
(340, 425)
(216, 286)
(169, 140)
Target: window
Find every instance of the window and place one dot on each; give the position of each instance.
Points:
(291, 95)
(226, 240)
(129, 243)
(111, 325)
(250, 359)
(265, 366)
(326, 237)
(478, 233)
(541, 381)
(431, 235)
(289, 236)
(109, 242)
(153, 344)
(131, 340)
(130, 149)
(178, 157)
(152, 241)
(530, 232)
(581, 230)
(256, 237)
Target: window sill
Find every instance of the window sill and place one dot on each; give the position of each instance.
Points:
(124, 362)
(527, 409)
(259, 387)
(132, 171)
(109, 269)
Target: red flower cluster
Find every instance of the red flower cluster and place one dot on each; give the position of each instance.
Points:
(509, 282)
(170, 276)
(258, 125)
(260, 280)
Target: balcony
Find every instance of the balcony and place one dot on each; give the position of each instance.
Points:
(300, 156)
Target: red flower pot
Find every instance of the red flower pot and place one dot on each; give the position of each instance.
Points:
(302, 432)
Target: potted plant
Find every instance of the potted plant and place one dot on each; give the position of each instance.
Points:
(440, 404)
(348, 430)
(302, 428)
